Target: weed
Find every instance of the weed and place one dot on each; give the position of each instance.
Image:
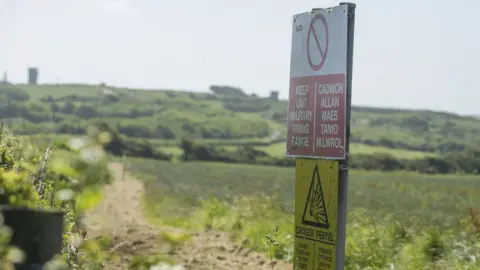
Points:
(475, 219)
(434, 247)
(175, 238)
(271, 241)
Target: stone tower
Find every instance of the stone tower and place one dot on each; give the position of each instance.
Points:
(274, 95)
(32, 75)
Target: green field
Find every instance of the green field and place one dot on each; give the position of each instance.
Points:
(223, 117)
(393, 217)
(278, 150)
(410, 220)
(225, 124)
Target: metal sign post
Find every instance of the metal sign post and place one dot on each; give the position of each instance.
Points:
(343, 173)
(319, 132)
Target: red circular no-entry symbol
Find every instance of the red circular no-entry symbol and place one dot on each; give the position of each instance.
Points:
(317, 64)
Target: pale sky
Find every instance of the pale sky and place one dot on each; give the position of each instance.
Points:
(408, 54)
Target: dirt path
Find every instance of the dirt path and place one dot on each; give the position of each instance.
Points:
(121, 216)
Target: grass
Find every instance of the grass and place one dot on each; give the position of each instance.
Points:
(278, 150)
(172, 150)
(409, 220)
(406, 194)
(40, 91)
(393, 217)
(175, 238)
(152, 114)
(357, 148)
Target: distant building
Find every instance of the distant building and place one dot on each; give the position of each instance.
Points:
(32, 75)
(5, 78)
(274, 95)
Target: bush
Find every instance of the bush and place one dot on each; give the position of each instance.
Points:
(193, 152)
(57, 180)
(12, 93)
(118, 146)
(384, 162)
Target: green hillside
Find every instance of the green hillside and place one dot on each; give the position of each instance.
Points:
(178, 143)
(224, 116)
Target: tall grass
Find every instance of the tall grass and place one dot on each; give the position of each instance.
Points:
(400, 220)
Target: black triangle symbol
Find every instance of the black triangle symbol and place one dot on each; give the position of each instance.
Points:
(315, 213)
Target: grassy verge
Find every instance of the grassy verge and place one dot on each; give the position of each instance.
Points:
(408, 220)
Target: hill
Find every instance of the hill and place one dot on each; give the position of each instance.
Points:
(225, 116)
(415, 220)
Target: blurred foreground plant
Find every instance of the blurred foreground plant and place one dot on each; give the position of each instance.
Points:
(67, 180)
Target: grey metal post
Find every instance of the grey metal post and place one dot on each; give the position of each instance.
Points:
(343, 172)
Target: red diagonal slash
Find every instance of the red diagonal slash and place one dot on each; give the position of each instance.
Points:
(312, 32)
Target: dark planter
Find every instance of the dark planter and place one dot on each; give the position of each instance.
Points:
(38, 233)
(3, 199)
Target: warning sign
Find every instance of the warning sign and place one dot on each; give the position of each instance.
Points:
(317, 99)
(316, 211)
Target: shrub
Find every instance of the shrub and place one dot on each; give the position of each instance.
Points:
(61, 180)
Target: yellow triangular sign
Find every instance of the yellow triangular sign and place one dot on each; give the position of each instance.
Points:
(315, 213)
